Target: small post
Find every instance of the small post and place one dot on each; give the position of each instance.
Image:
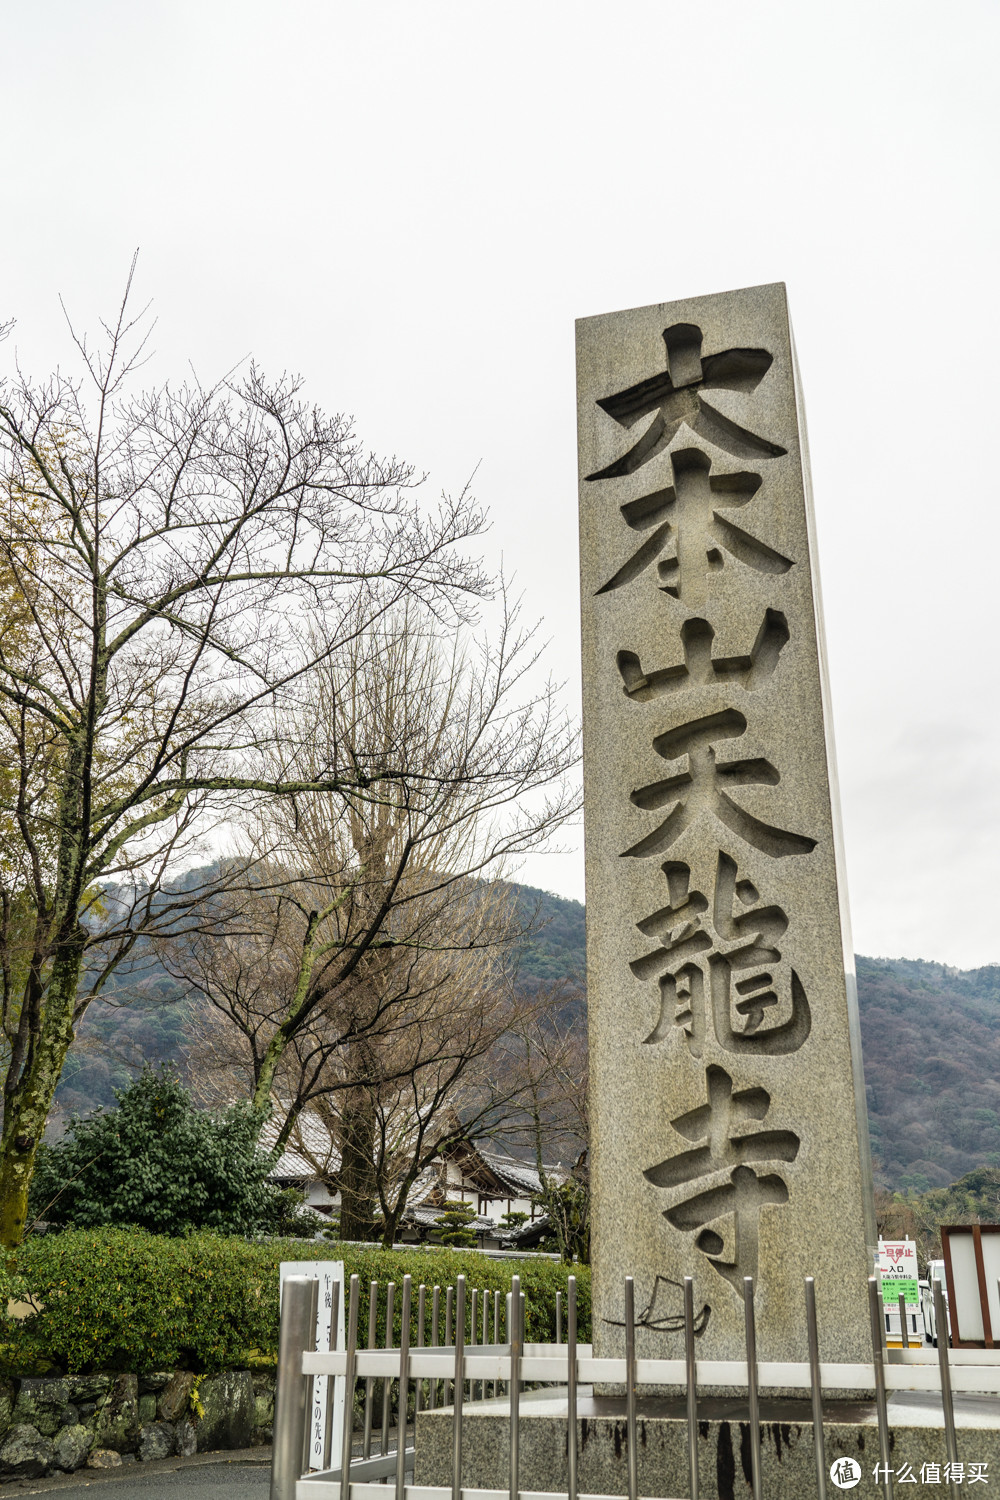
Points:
(390, 1308)
(404, 1381)
(571, 1435)
(421, 1315)
(366, 1446)
(486, 1330)
(904, 1337)
(753, 1398)
(352, 1352)
(292, 1398)
(875, 1318)
(435, 1324)
(449, 1307)
(692, 1386)
(515, 1339)
(558, 1317)
(816, 1388)
(631, 1436)
(944, 1367)
(331, 1380)
(456, 1428)
(497, 1300)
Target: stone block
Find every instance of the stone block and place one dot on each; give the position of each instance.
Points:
(104, 1458)
(117, 1417)
(229, 1406)
(84, 1389)
(186, 1437)
(45, 1403)
(25, 1452)
(147, 1408)
(729, 1136)
(175, 1395)
(71, 1447)
(156, 1440)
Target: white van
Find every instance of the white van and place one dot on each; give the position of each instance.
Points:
(935, 1272)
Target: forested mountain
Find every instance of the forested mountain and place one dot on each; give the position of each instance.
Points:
(931, 1039)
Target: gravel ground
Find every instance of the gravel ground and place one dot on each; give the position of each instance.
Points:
(207, 1476)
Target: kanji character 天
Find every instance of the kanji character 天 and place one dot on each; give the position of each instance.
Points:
(701, 788)
(727, 1155)
(676, 396)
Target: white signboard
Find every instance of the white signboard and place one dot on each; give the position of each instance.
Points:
(330, 1273)
(896, 1262)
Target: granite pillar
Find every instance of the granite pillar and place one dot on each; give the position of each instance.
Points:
(727, 1098)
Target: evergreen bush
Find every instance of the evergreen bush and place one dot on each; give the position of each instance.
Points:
(123, 1299)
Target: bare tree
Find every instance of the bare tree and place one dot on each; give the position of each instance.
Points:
(370, 932)
(164, 558)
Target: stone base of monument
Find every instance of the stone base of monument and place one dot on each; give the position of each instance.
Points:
(788, 1462)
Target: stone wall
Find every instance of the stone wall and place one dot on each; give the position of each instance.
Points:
(57, 1425)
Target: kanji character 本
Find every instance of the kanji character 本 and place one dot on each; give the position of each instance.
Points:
(716, 948)
(701, 788)
(689, 538)
(727, 1157)
(676, 396)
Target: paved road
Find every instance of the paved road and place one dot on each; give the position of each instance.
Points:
(187, 1479)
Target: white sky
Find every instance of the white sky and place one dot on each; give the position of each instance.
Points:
(411, 202)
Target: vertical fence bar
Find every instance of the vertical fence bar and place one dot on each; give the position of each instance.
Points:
(292, 1397)
(331, 1380)
(944, 1367)
(571, 1388)
(631, 1436)
(352, 1352)
(753, 1395)
(366, 1446)
(558, 1317)
(692, 1386)
(473, 1320)
(815, 1388)
(421, 1317)
(435, 1325)
(404, 1383)
(904, 1337)
(390, 1309)
(514, 1338)
(449, 1307)
(875, 1317)
(497, 1299)
(486, 1330)
(456, 1426)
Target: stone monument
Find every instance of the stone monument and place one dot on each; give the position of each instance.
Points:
(727, 1099)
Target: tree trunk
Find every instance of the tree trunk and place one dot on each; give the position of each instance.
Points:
(357, 1167)
(27, 1103)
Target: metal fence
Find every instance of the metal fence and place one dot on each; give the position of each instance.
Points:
(466, 1360)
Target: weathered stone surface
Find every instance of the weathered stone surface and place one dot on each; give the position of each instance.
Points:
(25, 1452)
(117, 1424)
(147, 1408)
(263, 1410)
(71, 1447)
(82, 1389)
(174, 1397)
(729, 1136)
(104, 1458)
(156, 1440)
(45, 1404)
(185, 1437)
(154, 1380)
(228, 1400)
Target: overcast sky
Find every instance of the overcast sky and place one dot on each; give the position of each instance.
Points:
(411, 202)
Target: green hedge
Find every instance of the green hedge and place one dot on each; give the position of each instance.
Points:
(117, 1299)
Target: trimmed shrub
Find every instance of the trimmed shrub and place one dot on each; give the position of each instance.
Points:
(122, 1299)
